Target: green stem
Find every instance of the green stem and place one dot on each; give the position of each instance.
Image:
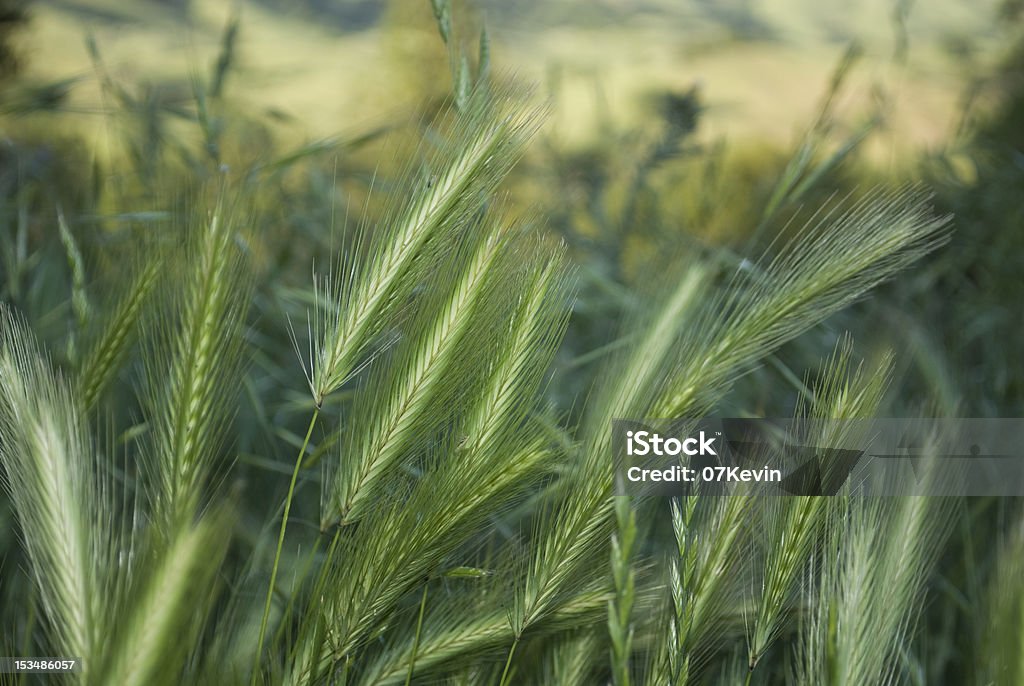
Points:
(416, 641)
(508, 662)
(283, 626)
(280, 545)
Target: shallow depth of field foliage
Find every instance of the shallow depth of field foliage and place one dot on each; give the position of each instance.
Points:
(341, 413)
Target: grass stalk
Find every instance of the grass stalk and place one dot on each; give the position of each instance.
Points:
(620, 609)
(416, 640)
(505, 673)
(280, 546)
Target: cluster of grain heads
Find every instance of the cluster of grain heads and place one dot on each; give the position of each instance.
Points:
(839, 256)
(402, 401)
(116, 331)
(569, 661)
(686, 363)
(359, 298)
(123, 601)
(792, 525)
(166, 602)
(478, 628)
(496, 453)
(709, 558)
(476, 306)
(878, 555)
(1002, 660)
(413, 242)
(50, 479)
(194, 360)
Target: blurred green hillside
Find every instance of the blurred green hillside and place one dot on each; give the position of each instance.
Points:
(761, 66)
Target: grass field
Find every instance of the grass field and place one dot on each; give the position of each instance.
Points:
(761, 67)
(316, 322)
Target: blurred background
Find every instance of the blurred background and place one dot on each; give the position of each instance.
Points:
(761, 66)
